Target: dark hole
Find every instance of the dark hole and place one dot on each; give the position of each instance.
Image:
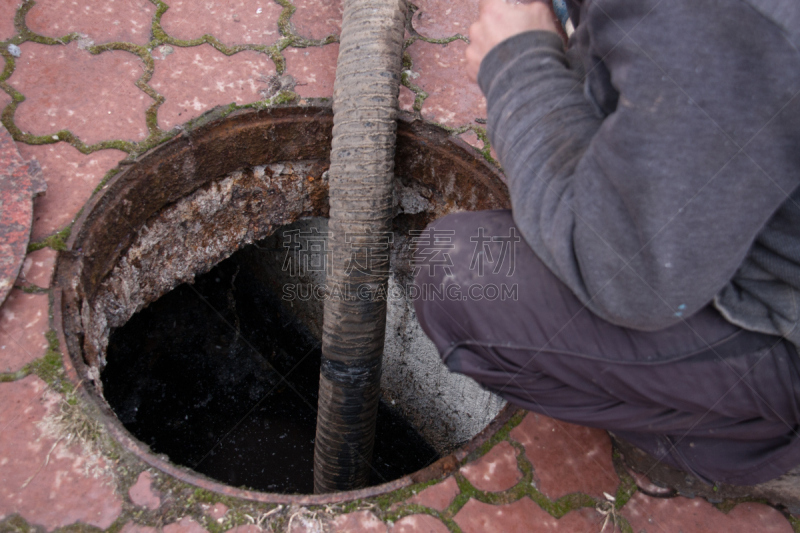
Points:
(223, 380)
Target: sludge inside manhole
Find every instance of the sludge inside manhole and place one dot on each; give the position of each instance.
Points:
(222, 378)
(138, 295)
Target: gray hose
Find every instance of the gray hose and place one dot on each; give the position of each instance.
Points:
(361, 174)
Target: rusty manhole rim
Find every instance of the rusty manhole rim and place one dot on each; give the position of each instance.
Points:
(70, 264)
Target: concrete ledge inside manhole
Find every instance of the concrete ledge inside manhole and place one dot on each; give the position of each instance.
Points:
(254, 177)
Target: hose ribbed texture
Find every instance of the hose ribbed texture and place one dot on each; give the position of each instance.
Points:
(361, 173)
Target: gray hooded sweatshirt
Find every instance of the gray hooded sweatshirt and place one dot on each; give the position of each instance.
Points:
(654, 167)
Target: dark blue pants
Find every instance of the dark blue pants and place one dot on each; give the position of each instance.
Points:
(704, 395)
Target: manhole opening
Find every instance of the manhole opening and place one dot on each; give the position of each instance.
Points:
(153, 334)
(222, 377)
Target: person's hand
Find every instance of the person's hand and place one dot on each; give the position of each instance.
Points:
(500, 20)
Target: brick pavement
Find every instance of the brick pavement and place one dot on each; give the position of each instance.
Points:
(98, 81)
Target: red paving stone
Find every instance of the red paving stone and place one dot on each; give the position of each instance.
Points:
(358, 522)
(46, 482)
(71, 177)
(567, 458)
(406, 99)
(142, 493)
(230, 21)
(130, 527)
(317, 19)
(20, 181)
(523, 516)
(185, 525)
(249, 528)
(314, 69)
(453, 100)
(93, 96)
(439, 496)
(658, 515)
(217, 511)
(102, 21)
(23, 323)
(471, 138)
(419, 523)
(496, 471)
(199, 78)
(37, 269)
(8, 9)
(4, 100)
(439, 19)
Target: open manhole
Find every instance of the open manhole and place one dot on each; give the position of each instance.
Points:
(189, 301)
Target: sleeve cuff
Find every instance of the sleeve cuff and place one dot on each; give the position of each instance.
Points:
(499, 56)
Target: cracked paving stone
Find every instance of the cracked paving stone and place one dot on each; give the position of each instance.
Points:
(314, 69)
(37, 269)
(197, 79)
(142, 493)
(317, 19)
(358, 522)
(71, 177)
(453, 100)
(8, 9)
(567, 458)
(93, 96)
(23, 324)
(103, 21)
(496, 471)
(656, 515)
(230, 21)
(185, 525)
(47, 482)
(419, 523)
(523, 516)
(439, 19)
(438, 496)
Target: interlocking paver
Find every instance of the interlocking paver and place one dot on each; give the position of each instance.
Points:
(7, 11)
(656, 515)
(453, 100)
(230, 21)
(419, 523)
(496, 471)
(71, 177)
(185, 525)
(313, 68)
(358, 522)
(23, 324)
(4, 100)
(439, 19)
(102, 21)
(217, 511)
(567, 458)
(317, 19)
(522, 516)
(37, 269)
(249, 528)
(142, 493)
(47, 482)
(130, 527)
(438, 496)
(199, 78)
(93, 96)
